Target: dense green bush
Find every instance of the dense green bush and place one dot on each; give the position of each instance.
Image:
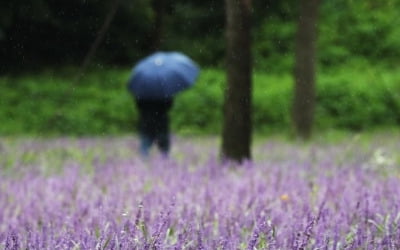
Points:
(53, 104)
(359, 101)
(50, 103)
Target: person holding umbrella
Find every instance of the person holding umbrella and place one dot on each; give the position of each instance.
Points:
(154, 82)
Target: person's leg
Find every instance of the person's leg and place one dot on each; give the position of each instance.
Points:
(163, 143)
(162, 133)
(145, 144)
(146, 130)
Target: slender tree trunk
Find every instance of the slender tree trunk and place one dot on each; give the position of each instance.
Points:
(237, 127)
(157, 31)
(85, 63)
(99, 38)
(304, 71)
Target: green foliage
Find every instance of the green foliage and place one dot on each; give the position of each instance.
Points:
(271, 101)
(200, 108)
(196, 28)
(361, 101)
(274, 45)
(38, 33)
(350, 30)
(50, 104)
(347, 31)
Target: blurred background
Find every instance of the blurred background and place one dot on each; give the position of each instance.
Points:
(55, 79)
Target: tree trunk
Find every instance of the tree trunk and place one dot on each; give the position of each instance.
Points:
(304, 71)
(236, 135)
(157, 31)
(99, 39)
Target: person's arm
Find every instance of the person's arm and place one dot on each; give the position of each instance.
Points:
(169, 103)
(155, 105)
(143, 104)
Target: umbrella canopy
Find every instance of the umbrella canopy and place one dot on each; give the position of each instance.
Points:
(162, 75)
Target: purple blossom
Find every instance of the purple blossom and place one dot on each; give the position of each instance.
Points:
(99, 194)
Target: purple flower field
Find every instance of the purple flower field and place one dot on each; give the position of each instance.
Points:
(97, 193)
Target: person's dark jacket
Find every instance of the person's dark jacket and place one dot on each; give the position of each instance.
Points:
(154, 117)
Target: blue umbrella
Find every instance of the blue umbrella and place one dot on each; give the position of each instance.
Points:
(162, 75)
